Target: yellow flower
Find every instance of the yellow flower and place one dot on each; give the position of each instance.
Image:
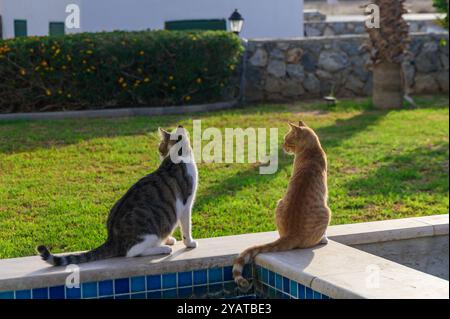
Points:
(141, 53)
(93, 68)
(121, 80)
(232, 67)
(48, 92)
(44, 63)
(199, 80)
(23, 72)
(69, 58)
(171, 78)
(124, 85)
(188, 98)
(89, 52)
(60, 91)
(84, 61)
(69, 95)
(31, 50)
(146, 80)
(64, 67)
(57, 52)
(174, 88)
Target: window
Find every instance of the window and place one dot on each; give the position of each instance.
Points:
(196, 25)
(56, 28)
(20, 28)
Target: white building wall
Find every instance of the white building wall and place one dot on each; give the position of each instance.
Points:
(263, 18)
(38, 13)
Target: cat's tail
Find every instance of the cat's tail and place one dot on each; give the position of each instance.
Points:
(282, 244)
(103, 252)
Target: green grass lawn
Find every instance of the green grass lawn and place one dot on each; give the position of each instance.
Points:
(58, 179)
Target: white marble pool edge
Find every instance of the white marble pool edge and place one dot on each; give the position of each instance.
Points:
(336, 270)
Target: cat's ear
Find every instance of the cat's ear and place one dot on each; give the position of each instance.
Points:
(301, 124)
(164, 134)
(295, 126)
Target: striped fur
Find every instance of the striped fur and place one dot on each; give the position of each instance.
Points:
(302, 216)
(142, 221)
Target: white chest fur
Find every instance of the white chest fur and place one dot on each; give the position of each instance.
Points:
(193, 173)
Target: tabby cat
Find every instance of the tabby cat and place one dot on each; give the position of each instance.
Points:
(302, 216)
(142, 221)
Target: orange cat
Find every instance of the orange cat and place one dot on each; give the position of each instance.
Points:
(302, 216)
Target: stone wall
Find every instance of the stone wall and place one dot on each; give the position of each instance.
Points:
(285, 70)
(329, 28)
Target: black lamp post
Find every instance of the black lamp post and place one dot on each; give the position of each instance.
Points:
(236, 22)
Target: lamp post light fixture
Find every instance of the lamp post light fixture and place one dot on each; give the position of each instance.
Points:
(236, 22)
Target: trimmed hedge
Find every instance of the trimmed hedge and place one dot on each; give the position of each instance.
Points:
(442, 7)
(96, 70)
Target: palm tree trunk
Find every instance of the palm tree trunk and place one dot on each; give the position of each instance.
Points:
(387, 86)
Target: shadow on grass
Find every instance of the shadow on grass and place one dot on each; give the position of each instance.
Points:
(26, 136)
(424, 169)
(331, 136)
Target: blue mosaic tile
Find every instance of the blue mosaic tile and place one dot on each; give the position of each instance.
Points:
(154, 282)
(73, 293)
(325, 297)
(185, 279)
(294, 289)
(301, 292)
(279, 294)
(228, 273)
(6, 294)
(154, 295)
(169, 281)
(265, 276)
(23, 294)
(215, 275)
(271, 293)
(185, 292)
(278, 282)
(57, 292)
(317, 295)
(215, 288)
(107, 297)
(40, 293)
(137, 284)
(105, 288)
(247, 272)
(271, 278)
(309, 293)
(127, 296)
(286, 285)
(121, 286)
(200, 277)
(169, 294)
(258, 271)
(89, 290)
(200, 291)
(141, 295)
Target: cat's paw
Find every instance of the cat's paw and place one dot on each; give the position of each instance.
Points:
(171, 241)
(191, 244)
(166, 250)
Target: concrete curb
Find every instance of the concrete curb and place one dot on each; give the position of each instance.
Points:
(120, 112)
